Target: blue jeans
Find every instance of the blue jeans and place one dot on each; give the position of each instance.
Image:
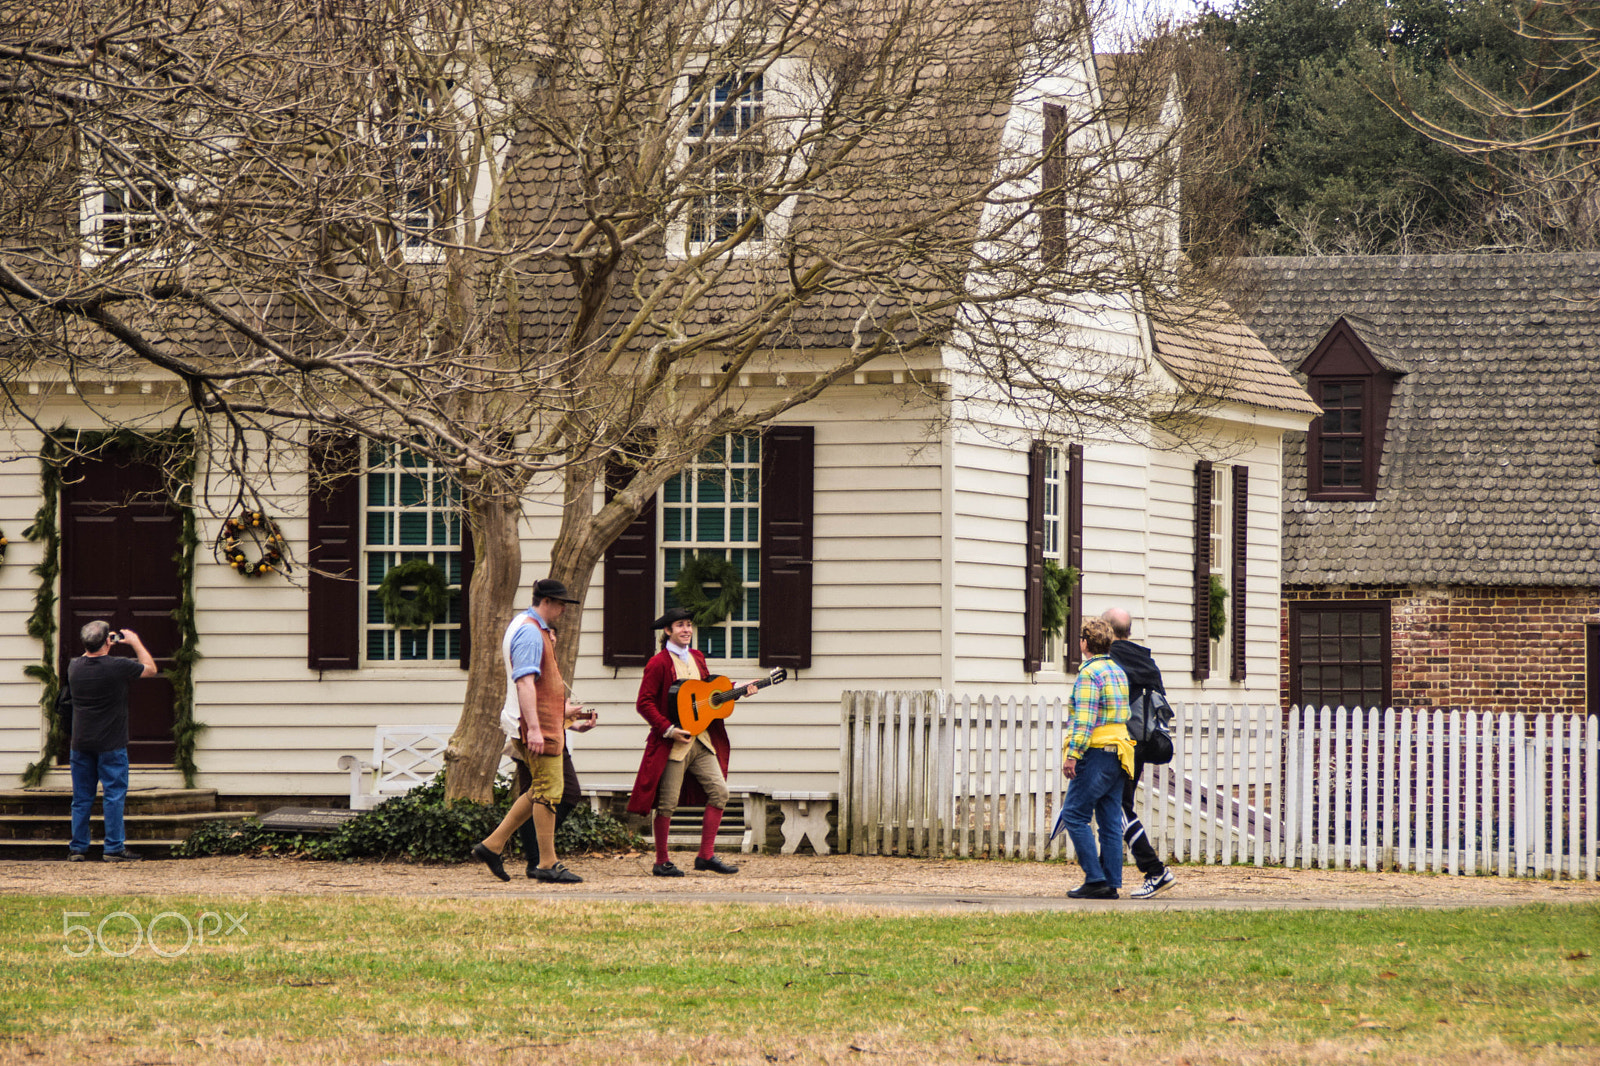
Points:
(110, 769)
(1097, 791)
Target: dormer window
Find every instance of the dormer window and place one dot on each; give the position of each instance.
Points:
(1352, 377)
(1342, 466)
(725, 146)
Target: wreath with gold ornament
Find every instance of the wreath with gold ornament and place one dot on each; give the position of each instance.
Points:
(256, 530)
(700, 570)
(3, 543)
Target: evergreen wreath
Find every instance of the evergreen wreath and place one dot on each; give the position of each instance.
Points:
(429, 605)
(1059, 581)
(697, 571)
(253, 526)
(3, 543)
(1219, 616)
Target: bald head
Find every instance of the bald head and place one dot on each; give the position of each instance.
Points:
(1121, 622)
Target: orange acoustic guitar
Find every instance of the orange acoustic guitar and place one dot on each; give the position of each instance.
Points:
(693, 705)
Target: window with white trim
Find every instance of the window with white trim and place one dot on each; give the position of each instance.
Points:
(419, 191)
(726, 155)
(713, 508)
(1220, 561)
(1055, 544)
(411, 510)
(127, 198)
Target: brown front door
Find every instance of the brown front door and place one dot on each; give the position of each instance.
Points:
(120, 535)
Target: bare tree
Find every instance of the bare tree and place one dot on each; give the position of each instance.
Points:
(541, 241)
(1541, 141)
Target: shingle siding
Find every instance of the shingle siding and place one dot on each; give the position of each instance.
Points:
(1488, 474)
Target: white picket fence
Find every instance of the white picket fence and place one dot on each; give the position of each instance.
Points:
(1450, 791)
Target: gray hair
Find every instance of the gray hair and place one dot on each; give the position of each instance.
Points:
(94, 635)
(1121, 622)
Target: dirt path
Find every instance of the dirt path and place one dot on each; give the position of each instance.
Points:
(834, 879)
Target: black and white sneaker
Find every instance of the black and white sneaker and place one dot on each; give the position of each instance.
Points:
(1153, 884)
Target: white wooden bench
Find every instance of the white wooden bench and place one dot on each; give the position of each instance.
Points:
(805, 815)
(744, 824)
(403, 757)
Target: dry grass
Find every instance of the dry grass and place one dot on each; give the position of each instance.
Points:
(341, 979)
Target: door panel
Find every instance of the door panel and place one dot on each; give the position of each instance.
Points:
(119, 541)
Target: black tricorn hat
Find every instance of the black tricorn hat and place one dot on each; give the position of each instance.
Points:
(548, 588)
(674, 614)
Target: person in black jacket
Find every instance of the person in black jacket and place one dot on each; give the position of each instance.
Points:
(1143, 675)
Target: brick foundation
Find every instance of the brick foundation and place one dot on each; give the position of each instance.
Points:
(1489, 648)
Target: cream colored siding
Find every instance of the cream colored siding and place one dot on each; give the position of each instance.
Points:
(877, 602)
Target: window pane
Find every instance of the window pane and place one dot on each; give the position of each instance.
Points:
(724, 474)
(411, 505)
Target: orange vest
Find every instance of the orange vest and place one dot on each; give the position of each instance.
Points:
(551, 696)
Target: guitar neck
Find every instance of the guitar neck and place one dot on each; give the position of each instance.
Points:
(720, 698)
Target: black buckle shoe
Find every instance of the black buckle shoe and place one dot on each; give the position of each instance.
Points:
(491, 860)
(556, 875)
(715, 865)
(666, 869)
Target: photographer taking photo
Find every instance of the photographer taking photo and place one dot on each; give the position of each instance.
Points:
(97, 684)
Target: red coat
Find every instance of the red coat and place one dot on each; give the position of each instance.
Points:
(660, 676)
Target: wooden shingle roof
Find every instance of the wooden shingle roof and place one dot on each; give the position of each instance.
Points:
(1211, 352)
(1491, 464)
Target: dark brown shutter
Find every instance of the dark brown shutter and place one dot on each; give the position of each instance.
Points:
(468, 559)
(1052, 199)
(630, 582)
(333, 555)
(1203, 474)
(1593, 657)
(787, 462)
(1240, 563)
(1074, 552)
(1033, 564)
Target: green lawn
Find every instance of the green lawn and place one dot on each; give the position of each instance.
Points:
(332, 979)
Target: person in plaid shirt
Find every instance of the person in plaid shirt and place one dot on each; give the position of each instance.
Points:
(1097, 758)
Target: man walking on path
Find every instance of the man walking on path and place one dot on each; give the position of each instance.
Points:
(541, 696)
(1143, 676)
(97, 682)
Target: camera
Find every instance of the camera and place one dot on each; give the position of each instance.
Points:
(114, 637)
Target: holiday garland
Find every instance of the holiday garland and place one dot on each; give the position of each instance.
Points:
(429, 605)
(1219, 617)
(42, 622)
(258, 527)
(1058, 585)
(696, 572)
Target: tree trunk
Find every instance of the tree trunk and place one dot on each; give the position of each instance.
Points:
(475, 747)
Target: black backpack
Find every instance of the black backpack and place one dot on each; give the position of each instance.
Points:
(1150, 724)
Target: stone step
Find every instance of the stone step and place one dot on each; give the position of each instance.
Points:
(137, 826)
(36, 850)
(55, 799)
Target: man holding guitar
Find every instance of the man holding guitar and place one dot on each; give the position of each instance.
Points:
(697, 749)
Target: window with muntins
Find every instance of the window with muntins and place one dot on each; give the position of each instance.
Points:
(125, 202)
(411, 510)
(713, 507)
(421, 146)
(726, 155)
(1339, 654)
(1342, 465)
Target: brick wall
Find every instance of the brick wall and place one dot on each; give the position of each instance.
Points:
(1493, 649)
